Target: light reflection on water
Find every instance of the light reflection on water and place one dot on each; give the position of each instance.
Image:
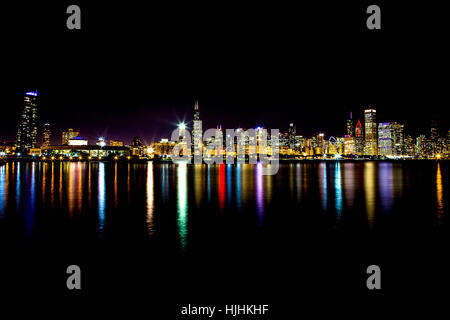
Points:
(363, 188)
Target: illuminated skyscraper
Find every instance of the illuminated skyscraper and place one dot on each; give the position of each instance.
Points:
(350, 125)
(67, 135)
(385, 139)
(197, 133)
(46, 134)
(399, 140)
(370, 125)
(27, 132)
(359, 139)
(292, 132)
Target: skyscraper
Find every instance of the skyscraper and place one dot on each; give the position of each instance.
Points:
(27, 132)
(350, 125)
(292, 132)
(399, 140)
(385, 139)
(197, 133)
(46, 134)
(370, 126)
(359, 139)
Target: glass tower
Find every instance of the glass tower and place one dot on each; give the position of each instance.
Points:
(27, 132)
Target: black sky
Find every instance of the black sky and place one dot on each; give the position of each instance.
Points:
(135, 69)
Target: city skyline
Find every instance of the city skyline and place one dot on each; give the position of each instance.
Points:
(380, 139)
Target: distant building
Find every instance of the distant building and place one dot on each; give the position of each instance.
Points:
(398, 139)
(291, 133)
(46, 135)
(350, 125)
(371, 139)
(385, 139)
(67, 135)
(136, 146)
(78, 141)
(27, 132)
(115, 143)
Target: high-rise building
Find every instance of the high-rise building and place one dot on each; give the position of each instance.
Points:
(27, 132)
(292, 132)
(350, 125)
(320, 143)
(398, 139)
(46, 135)
(197, 133)
(370, 125)
(385, 139)
(349, 144)
(67, 135)
(359, 139)
(410, 148)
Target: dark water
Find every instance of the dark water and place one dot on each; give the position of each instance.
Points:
(228, 230)
(166, 201)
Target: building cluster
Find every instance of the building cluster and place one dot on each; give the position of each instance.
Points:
(364, 138)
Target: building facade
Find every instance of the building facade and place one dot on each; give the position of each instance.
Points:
(27, 132)
(371, 129)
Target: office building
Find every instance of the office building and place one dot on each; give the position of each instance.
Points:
(27, 132)
(370, 130)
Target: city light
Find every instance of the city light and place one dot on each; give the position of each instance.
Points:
(182, 126)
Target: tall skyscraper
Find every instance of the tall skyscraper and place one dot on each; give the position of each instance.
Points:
(197, 132)
(385, 139)
(399, 139)
(292, 132)
(359, 139)
(350, 125)
(46, 134)
(27, 132)
(370, 126)
(67, 135)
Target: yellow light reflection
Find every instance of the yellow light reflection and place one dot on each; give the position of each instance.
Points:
(150, 199)
(369, 190)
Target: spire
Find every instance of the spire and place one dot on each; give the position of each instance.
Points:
(196, 105)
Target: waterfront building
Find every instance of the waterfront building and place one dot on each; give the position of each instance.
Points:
(27, 132)
(359, 139)
(67, 135)
(385, 139)
(116, 143)
(370, 126)
(349, 145)
(398, 139)
(46, 135)
(78, 141)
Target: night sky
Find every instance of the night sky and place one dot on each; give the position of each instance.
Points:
(135, 69)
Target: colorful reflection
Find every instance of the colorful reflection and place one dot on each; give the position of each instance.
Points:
(29, 211)
(369, 191)
(238, 186)
(18, 190)
(349, 184)
(439, 192)
(259, 192)
(222, 183)
(338, 190)
(101, 197)
(3, 189)
(323, 184)
(150, 198)
(182, 204)
(385, 182)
